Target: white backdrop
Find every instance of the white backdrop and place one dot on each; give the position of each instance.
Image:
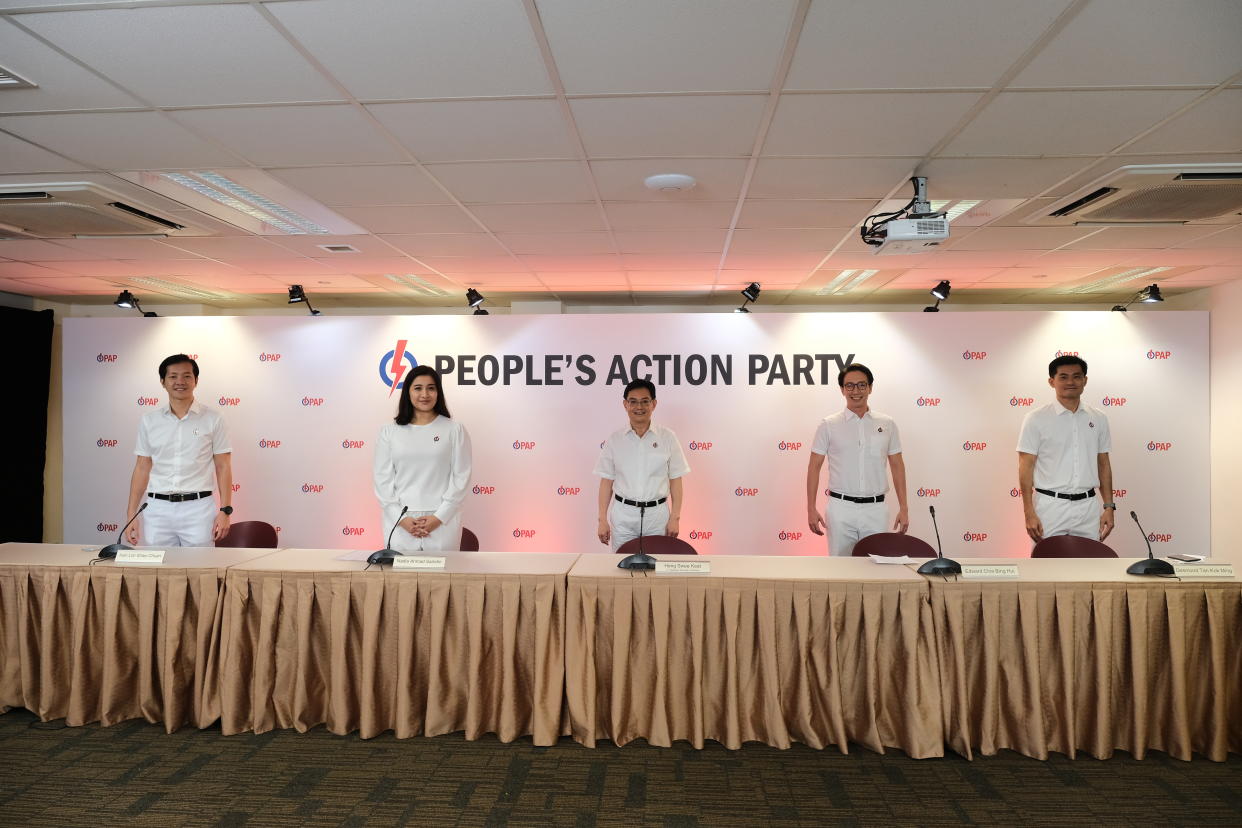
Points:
(304, 399)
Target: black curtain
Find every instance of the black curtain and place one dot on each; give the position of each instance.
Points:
(26, 340)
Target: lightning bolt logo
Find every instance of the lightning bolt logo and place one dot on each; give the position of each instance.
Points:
(398, 365)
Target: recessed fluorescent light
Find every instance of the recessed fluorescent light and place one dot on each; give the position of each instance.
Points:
(417, 283)
(11, 80)
(231, 194)
(165, 286)
(1116, 279)
(845, 281)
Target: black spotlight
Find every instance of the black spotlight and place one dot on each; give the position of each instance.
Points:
(941, 292)
(1151, 293)
(751, 292)
(475, 300)
(298, 294)
(127, 300)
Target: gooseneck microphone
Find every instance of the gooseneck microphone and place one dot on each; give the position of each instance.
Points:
(385, 555)
(640, 559)
(1151, 565)
(111, 549)
(939, 565)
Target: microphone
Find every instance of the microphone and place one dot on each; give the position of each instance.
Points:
(640, 559)
(111, 549)
(385, 555)
(939, 565)
(1151, 565)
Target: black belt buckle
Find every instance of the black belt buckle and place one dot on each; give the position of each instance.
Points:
(179, 498)
(641, 504)
(1061, 496)
(852, 499)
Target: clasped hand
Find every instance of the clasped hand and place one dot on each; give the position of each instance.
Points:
(421, 527)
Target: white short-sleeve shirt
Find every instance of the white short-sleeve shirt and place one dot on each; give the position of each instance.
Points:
(857, 449)
(1066, 445)
(182, 451)
(641, 467)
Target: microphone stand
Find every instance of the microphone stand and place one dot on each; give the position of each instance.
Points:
(640, 559)
(939, 565)
(111, 549)
(385, 555)
(1151, 565)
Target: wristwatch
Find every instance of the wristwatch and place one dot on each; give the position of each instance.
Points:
(1112, 506)
(228, 510)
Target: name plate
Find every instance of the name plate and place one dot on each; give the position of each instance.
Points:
(140, 556)
(1203, 570)
(991, 572)
(418, 562)
(683, 567)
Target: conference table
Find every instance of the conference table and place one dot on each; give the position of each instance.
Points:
(109, 642)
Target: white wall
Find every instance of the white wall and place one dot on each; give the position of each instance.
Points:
(1226, 406)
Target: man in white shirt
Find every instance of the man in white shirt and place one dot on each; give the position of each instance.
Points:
(640, 470)
(180, 449)
(862, 447)
(1063, 459)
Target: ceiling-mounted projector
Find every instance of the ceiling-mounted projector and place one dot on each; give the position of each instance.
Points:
(914, 228)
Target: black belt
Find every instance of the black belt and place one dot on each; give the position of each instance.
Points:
(642, 504)
(852, 499)
(178, 498)
(1080, 496)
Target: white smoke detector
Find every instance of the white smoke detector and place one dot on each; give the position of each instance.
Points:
(670, 182)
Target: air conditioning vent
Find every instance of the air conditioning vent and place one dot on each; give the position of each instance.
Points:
(75, 208)
(134, 211)
(1146, 194)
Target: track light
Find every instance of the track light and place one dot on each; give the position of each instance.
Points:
(127, 300)
(751, 292)
(1147, 295)
(941, 292)
(298, 294)
(475, 299)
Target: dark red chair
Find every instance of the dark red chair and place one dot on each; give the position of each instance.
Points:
(469, 540)
(893, 545)
(1071, 546)
(658, 545)
(250, 534)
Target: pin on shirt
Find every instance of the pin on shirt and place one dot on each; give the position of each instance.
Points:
(436, 439)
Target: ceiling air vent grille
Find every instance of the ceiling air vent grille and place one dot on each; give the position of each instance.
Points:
(1172, 202)
(66, 209)
(1150, 194)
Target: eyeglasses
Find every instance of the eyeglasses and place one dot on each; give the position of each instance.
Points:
(638, 403)
(855, 386)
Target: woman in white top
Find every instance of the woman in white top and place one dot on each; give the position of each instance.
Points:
(423, 462)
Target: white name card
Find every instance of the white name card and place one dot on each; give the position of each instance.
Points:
(683, 567)
(140, 556)
(418, 562)
(1203, 570)
(991, 572)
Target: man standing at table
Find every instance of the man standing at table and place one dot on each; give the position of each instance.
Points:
(862, 447)
(640, 470)
(1063, 458)
(180, 449)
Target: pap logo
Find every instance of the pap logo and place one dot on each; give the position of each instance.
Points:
(236, 487)
(1118, 493)
(107, 527)
(233, 401)
(266, 357)
(1116, 402)
(927, 401)
(104, 443)
(970, 445)
(105, 357)
(312, 488)
(353, 530)
(568, 490)
(312, 401)
(974, 354)
(1159, 354)
(393, 367)
(148, 400)
(974, 537)
(743, 492)
(1021, 402)
(1156, 537)
(1014, 493)
(700, 534)
(523, 533)
(269, 444)
(1154, 446)
(928, 492)
(523, 445)
(786, 445)
(786, 535)
(694, 445)
(353, 444)
(1067, 353)
(484, 490)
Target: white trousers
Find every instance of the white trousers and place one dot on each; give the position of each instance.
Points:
(624, 522)
(445, 538)
(1069, 517)
(848, 523)
(178, 524)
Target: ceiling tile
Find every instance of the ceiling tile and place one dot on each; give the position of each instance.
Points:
(805, 261)
(62, 84)
(1227, 238)
(1129, 238)
(478, 130)
(367, 265)
(864, 124)
(125, 249)
(1063, 123)
(1141, 43)
(686, 215)
(902, 49)
(187, 55)
(982, 178)
(1038, 276)
(1020, 238)
(293, 135)
(309, 245)
(829, 178)
(447, 244)
(671, 277)
(382, 185)
(119, 140)
(782, 241)
(718, 179)
(40, 251)
(515, 181)
(425, 219)
(669, 126)
(473, 264)
(562, 264)
(562, 244)
(656, 46)
(23, 157)
(395, 49)
(293, 266)
(538, 218)
(26, 269)
(671, 241)
(1214, 124)
(760, 214)
(226, 248)
(670, 261)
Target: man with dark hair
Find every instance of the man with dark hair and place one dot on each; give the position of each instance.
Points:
(862, 447)
(180, 449)
(640, 470)
(1063, 458)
